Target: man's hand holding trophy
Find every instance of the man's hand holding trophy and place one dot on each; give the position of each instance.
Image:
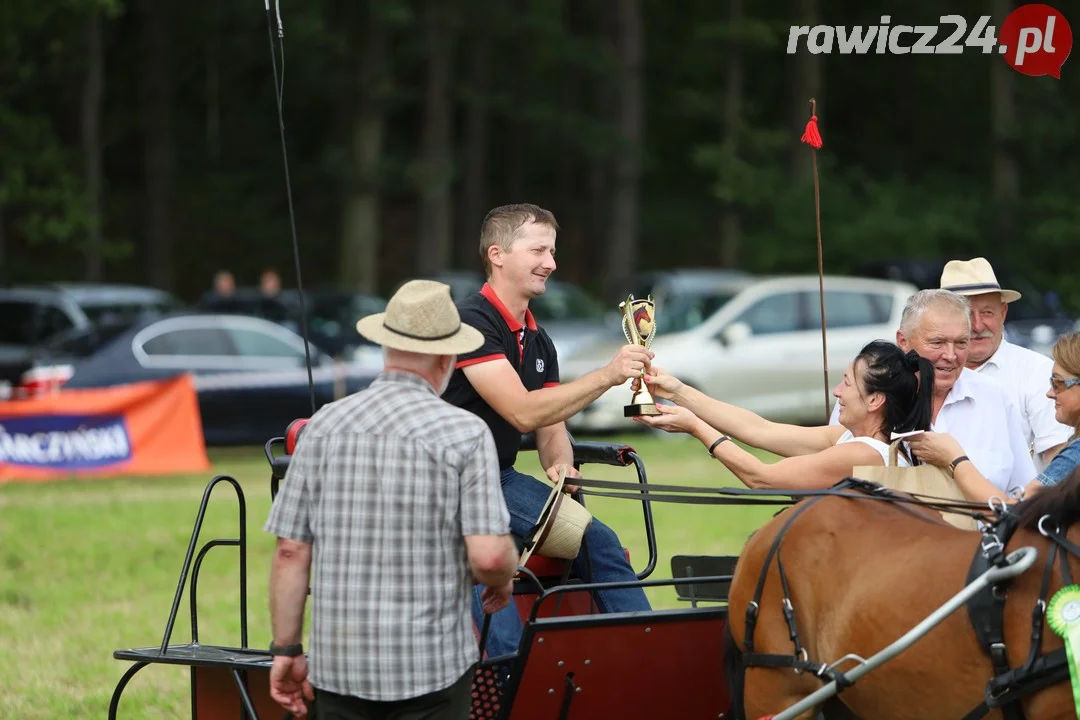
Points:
(639, 327)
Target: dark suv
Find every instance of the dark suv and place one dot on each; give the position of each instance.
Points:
(33, 315)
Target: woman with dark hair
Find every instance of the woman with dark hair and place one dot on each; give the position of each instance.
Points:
(883, 391)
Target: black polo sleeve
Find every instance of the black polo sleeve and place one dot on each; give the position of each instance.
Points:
(494, 344)
(551, 367)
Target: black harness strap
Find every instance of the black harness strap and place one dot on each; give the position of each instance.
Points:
(747, 496)
(752, 608)
(799, 661)
(1007, 688)
(987, 609)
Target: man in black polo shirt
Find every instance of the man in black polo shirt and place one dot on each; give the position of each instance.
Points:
(512, 382)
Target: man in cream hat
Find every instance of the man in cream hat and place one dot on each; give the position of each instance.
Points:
(1022, 373)
(394, 493)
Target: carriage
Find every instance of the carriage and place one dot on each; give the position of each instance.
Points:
(573, 662)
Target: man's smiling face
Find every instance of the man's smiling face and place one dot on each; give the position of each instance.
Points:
(942, 337)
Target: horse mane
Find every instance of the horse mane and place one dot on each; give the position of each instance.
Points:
(1060, 502)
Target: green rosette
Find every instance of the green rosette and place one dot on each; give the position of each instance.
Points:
(1063, 617)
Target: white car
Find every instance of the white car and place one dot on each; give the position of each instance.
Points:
(762, 349)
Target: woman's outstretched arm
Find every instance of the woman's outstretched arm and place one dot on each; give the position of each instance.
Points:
(810, 471)
(749, 427)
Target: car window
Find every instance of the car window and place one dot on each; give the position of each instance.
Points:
(565, 302)
(190, 341)
(849, 308)
(18, 322)
(53, 320)
(774, 314)
(681, 312)
(255, 343)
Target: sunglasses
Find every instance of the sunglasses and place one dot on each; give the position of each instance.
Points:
(1063, 384)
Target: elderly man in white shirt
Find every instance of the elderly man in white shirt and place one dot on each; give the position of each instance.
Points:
(1022, 373)
(973, 409)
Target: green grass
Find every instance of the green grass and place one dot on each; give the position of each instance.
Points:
(87, 567)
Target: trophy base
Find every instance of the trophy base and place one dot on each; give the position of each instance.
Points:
(639, 409)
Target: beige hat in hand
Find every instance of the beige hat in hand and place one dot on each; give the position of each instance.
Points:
(560, 528)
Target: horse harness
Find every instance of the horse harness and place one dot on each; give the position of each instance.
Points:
(987, 613)
(986, 610)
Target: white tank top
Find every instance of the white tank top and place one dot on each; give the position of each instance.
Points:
(881, 447)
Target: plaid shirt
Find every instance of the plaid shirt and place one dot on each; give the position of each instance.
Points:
(385, 484)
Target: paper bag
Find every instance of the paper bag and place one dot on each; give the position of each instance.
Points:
(918, 480)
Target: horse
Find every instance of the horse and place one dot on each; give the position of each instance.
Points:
(854, 573)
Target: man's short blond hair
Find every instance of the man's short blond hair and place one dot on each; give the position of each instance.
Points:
(502, 226)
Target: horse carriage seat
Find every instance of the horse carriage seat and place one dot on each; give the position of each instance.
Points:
(690, 566)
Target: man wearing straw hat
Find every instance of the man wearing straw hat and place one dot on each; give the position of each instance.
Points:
(512, 382)
(393, 494)
(1022, 373)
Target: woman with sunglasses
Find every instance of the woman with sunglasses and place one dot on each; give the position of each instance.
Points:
(942, 449)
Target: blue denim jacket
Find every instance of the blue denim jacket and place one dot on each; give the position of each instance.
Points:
(1063, 465)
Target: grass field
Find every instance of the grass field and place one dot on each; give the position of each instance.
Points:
(87, 567)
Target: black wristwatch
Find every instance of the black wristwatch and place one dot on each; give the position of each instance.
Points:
(287, 650)
(957, 461)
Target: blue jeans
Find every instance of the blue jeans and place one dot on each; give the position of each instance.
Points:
(525, 497)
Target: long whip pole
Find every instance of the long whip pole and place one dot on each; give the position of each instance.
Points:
(813, 138)
(279, 87)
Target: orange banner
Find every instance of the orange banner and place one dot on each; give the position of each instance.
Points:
(147, 428)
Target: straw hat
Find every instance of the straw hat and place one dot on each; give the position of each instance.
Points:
(421, 317)
(973, 277)
(559, 529)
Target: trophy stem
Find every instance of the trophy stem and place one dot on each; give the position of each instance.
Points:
(642, 404)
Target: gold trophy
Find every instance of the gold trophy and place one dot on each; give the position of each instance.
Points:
(639, 327)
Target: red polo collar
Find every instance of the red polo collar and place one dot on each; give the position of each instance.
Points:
(511, 321)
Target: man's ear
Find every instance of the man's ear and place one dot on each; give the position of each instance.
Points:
(495, 255)
(902, 341)
(1004, 311)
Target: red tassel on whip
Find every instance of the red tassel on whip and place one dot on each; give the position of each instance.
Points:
(813, 138)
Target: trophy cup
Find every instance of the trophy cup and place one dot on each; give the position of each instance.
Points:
(639, 327)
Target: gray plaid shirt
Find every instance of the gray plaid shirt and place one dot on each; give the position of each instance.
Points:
(385, 484)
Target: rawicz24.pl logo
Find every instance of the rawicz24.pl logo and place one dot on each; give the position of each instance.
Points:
(1035, 39)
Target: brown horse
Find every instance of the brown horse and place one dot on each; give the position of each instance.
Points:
(860, 574)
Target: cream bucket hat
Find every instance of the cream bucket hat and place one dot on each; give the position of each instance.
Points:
(421, 317)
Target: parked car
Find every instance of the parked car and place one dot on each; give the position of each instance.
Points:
(250, 374)
(761, 348)
(331, 315)
(686, 297)
(32, 315)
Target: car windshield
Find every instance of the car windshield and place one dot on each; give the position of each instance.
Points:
(337, 314)
(561, 303)
(120, 313)
(679, 312)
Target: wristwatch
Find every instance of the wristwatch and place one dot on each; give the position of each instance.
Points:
(957, 461)
(287, 650)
